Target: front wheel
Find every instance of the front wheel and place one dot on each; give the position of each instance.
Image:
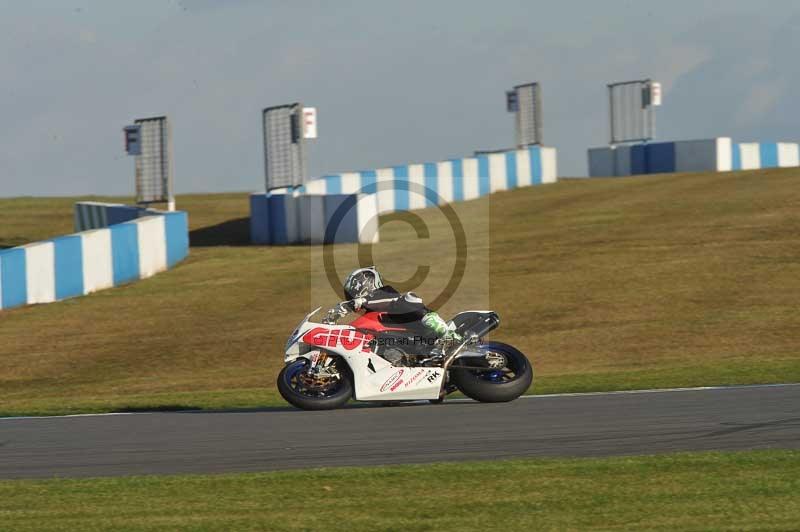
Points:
(502, 374)
(314, 392)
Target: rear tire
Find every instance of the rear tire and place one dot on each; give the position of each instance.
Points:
(287, 386)
(478, 384)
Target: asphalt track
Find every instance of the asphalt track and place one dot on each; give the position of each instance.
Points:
(748, 417)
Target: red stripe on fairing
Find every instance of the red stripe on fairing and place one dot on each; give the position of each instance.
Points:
(372, 322)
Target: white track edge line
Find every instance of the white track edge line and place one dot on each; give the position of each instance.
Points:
(653, 390)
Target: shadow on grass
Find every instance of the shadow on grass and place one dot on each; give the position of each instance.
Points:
(234, 232)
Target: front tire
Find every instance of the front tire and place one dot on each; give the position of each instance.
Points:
(298, 394)
(495, 384)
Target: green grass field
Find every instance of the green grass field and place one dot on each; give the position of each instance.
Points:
(700, 491)
(609, 284)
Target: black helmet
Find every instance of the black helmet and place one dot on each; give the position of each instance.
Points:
(361, 282)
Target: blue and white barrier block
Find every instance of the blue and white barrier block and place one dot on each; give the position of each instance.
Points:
(415, 186)
(40, 278)
(709, 155)
(309, 214)
(97, 261)
(85, 262)
(754, 155)
(282, 218)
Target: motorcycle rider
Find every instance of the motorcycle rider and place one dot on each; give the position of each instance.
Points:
(365, 291)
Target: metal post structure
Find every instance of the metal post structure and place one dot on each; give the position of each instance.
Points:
(526, 102)
(632, 110)
(285, 129)
(149, 140)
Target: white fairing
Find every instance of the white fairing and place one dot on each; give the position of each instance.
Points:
(375, 378)
(391, 383)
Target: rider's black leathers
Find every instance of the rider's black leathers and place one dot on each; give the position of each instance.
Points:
(400, 308)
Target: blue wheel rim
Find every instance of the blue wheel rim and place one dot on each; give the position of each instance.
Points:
(294, 369)
(495, 376)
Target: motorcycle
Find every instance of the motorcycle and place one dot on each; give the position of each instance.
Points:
(375, 358)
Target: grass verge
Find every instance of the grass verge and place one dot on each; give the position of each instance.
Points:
(695, 491)
(609, 284)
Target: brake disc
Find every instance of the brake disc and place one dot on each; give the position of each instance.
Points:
(495, 360)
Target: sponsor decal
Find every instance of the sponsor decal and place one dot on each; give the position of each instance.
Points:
(396, 385)
(391, 381)
(347, 338)
(415, 377)
(433, 376)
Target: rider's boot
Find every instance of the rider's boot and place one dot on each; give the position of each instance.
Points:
(446, 332)
(439, 327)
(435, 323)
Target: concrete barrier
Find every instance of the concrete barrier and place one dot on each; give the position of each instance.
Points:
(79, 264)
(705, 155)
(283, 218)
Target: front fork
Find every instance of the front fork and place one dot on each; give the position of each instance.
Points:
(317, 359)
(319, 362)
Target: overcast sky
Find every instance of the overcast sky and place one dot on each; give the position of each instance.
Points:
(395, 82)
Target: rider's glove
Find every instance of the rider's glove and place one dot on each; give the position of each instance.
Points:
(337, 312)
(359, 302)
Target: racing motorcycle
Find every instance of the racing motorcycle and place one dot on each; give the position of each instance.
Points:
(374, 358)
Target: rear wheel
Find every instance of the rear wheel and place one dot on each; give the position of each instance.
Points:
(502, 374)
(305, 390)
